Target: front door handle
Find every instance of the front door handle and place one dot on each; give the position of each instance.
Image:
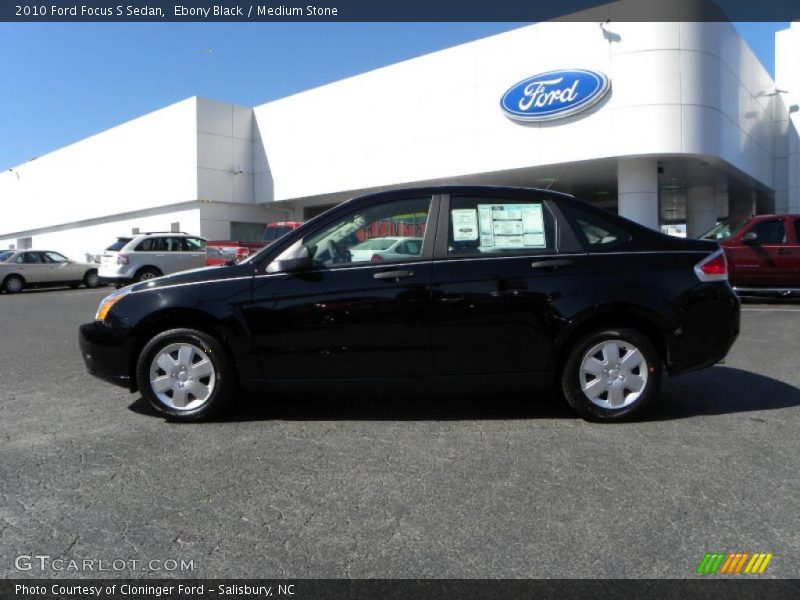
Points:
(393, 274)
(551, 264)
(784, 252)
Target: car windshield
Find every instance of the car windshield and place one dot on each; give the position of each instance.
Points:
(375, 244)
(724, 230)
(5, 255)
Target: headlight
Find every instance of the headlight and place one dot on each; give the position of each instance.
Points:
(109, 301)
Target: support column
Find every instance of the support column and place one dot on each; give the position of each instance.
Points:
(637, 190)
(701, 209)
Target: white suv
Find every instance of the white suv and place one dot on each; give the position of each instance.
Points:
(148, 255)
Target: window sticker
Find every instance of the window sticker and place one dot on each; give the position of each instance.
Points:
(465, 224)
(511, 226)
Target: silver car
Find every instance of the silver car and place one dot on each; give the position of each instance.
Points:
(147, 255)
(38, 268)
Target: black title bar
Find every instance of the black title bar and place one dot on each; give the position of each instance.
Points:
(398, 589)
(398, 10)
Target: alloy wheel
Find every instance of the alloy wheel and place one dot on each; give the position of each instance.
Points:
(182, 376)
(613, 374)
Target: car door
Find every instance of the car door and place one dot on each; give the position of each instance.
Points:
(61, 268)
(766, 260)
(795, 256)
(508, 275)
(348, 318)
(32, 267)
(194, 252)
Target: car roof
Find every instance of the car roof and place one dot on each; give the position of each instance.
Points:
(464, 189)
(773, 216)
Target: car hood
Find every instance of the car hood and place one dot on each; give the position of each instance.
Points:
(213, 273)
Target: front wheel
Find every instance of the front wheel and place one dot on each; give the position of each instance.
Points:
(185, 374)
(612, 374)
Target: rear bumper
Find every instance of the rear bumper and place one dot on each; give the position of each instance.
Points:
(708, 330)
(107, 353)
(768, 292)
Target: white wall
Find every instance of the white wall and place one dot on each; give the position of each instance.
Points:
(149, 161)
(677, 88)
(76, 242)
(224, 147)
(787, 77)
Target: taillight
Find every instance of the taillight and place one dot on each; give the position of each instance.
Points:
(242, 253)
(376, 258)
(713, 268)
(122, 259)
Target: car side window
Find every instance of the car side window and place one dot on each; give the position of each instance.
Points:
(496, 227)
(369, 234)
(193, 245)
(153, 244)
(598, 233)
(770, 232)
(31, 258)
(55, 257)
(797, 231)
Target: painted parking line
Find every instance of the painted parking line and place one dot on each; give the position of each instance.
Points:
(797, 310)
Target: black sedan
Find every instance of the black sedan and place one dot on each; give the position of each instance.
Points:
(507, 284)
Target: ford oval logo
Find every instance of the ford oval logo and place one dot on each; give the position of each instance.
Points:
(554, 95)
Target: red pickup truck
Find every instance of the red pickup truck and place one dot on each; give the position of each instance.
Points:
(763, 253)
(219, 252)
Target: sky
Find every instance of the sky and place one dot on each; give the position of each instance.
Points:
(60, 83)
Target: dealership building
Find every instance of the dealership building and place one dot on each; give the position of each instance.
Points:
(685, 127)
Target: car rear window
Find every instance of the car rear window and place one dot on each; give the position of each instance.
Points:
(724, 230)
(5, 255)
(119, 244)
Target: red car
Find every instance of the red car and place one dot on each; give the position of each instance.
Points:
(277, 230)
(763, 253)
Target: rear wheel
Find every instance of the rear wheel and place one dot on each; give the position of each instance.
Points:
(612, 374)
(147, 273)
(91, 279)
(186, 374)
(13, 284)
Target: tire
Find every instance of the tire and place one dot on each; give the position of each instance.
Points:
(13, 284)
(175, 359)
(621, 392)
(91, 279)
(147, 273)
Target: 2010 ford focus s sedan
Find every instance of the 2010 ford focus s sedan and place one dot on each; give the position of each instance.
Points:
(495, 284)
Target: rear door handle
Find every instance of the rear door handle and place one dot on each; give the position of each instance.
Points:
(393, 274)
(551, 264)
(784, 251)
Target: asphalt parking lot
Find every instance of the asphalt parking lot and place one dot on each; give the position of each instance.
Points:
(383, 485)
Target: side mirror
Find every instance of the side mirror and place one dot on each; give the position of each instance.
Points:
(751, 237)
(299, 260)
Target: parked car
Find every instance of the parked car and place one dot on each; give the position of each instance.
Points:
(277, 230)
(511, 284)
(387, 248)
(763, 253)
(219, 252)
(145, 256)
(39, 268)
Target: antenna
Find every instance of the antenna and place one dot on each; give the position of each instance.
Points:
(557, 179)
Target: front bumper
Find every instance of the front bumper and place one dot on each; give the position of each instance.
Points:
(107, 353)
